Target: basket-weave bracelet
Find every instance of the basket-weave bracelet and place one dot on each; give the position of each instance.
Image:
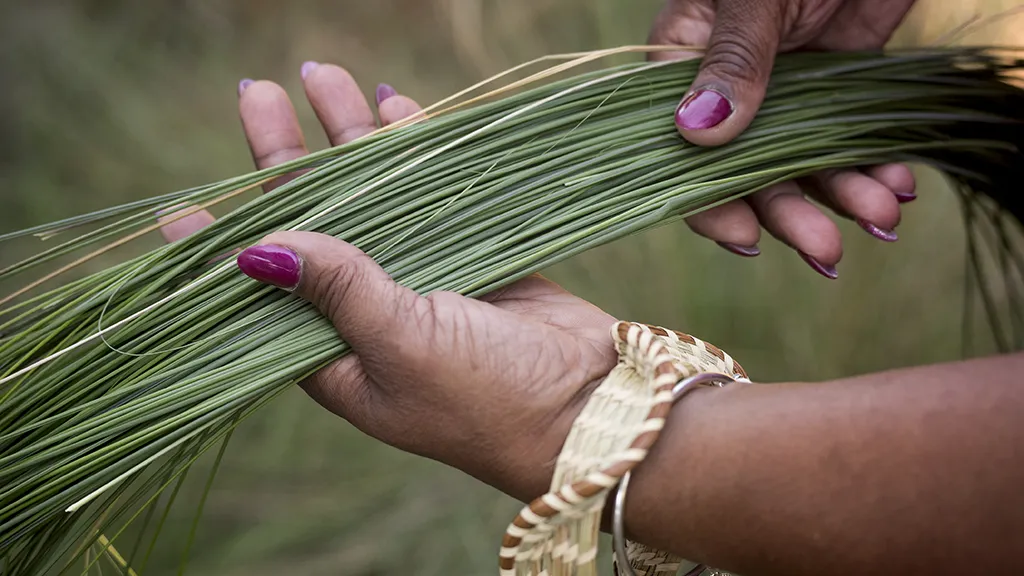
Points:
(557, 534)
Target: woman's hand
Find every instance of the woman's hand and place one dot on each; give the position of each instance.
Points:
(489, 386)
(742, 38)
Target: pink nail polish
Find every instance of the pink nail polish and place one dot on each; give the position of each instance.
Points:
(245, 83)
(385, 91)
(748, 251)
(904, 197)
(703, 109)
(884, 235)
(275, 265)
(307, 67)
(826, 271)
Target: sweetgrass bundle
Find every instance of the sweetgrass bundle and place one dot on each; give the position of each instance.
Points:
(112, 385)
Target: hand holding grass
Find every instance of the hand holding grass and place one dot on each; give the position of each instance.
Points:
(742, 39)
(487, 385)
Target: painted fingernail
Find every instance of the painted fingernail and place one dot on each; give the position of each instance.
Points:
(245, 83)
(702, 110)
(885, 235)
(904, 197)
(826, 271)
(271, 264)
(307, 67)
(385, 91)
(748, 251)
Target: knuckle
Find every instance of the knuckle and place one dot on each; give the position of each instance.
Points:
(276, 156)
(421, 311)
(350, 133)
(449, 335)
(866, 33)
(423, 318)
(735, 58)
(336, 286)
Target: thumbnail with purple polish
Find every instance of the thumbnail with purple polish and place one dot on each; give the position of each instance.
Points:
(245, 83)
(271, 264)
(702, 110)
(904, 197)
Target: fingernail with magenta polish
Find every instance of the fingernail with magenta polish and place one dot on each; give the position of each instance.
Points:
(826, 271)
(703, 109)
(385, 91)
(904, 197)
(748, 251)
(307, 67)
(271, 264)
(245, 83)
(885, 235)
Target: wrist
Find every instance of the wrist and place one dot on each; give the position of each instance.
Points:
(525, 464)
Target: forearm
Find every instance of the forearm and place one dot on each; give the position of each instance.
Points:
(910, 471)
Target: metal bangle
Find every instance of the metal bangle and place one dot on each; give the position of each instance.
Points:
(680, 390)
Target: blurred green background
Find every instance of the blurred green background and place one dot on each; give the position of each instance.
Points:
(105, 101)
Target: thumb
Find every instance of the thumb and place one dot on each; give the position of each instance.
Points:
(369, 310)
(734, 73)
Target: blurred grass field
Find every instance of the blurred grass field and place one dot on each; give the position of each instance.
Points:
(106, 101)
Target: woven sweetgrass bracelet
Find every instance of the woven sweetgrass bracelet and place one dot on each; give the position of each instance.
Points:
(557, 534)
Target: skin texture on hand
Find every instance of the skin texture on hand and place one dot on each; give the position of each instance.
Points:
(742, 38)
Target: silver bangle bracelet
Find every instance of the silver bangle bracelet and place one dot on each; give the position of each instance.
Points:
(680, 390)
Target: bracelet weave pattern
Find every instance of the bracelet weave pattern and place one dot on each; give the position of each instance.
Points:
(557, 534)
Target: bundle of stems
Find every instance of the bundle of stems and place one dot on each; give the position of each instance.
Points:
(112, 385)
